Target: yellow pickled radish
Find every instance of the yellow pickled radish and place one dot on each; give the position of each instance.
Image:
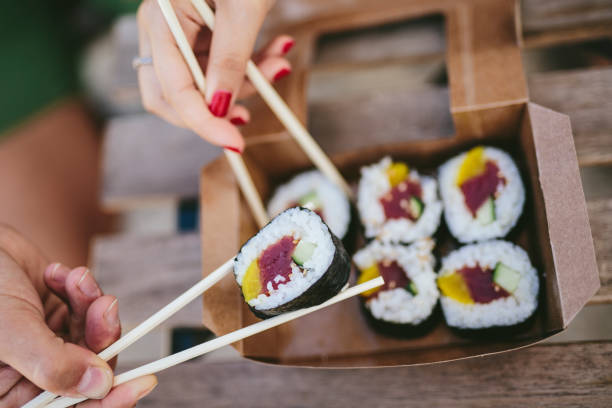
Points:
(473, 165)
(367, 274)
(251, 283)
(397, 172)
(454, 287)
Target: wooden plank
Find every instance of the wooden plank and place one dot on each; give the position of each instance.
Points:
(600, 215)
(566, 375)
(399, 112)
(145, 157)
(586, 96)
(147, 272)
(549, 15)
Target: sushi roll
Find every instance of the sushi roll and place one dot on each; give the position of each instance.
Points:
(314, 191)
(404, 305)
(294, 262)
(397, 204)
(488, 285)
(483, 194)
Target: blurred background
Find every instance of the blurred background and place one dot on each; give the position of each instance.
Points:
(92, 178)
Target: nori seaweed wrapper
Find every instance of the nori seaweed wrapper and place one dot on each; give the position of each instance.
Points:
(327, 286)
(403, 330)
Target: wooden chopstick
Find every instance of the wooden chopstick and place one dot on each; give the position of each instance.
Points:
(283, 112)
(225, 340)
(235, 159)
(149, 324)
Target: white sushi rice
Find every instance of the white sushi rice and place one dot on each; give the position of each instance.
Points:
(301, 225)
(398, 305)
(508, 203)
(506, 311)
(335, 209)
(373, 185)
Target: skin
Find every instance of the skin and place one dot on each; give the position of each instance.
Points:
(53, 321)
(167, 87)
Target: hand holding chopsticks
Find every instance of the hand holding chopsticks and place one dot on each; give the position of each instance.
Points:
(211, 345)
(277, 105)
(149, 324)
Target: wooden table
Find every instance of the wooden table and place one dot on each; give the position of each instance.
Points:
(568, 58)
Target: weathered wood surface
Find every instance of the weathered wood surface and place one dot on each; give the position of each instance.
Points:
(544, 376)
(145, 157)
(400, 113)
(600, 215)
(586, 96)
(140, 151)
(550, 15)
(147, 272)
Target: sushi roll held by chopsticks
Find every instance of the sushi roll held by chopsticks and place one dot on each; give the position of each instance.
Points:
(293, 262)
(483, 194)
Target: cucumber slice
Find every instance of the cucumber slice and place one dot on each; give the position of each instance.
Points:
(411, 287)
(506, 277)
(486, 213)
(310, 201)
(416, 207)
(303, 252)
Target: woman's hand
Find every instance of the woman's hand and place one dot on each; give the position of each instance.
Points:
(52, 322)
(167, 87)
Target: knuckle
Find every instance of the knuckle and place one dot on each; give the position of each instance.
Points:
(49, 374)
(230, 62)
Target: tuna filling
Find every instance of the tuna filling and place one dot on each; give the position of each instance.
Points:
(393, 275)
(480, 284)
(397, 202)
(275, 264)
(478, 189)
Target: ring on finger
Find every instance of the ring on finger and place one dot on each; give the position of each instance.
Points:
(138, 62)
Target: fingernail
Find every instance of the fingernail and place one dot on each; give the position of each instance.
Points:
(238, 121)
(147, 391)
(111, 315)
(88, 286)
(52, 273)
(282, 73)
(95, 383)
(233, 149)
(220, 103)
(288, 46)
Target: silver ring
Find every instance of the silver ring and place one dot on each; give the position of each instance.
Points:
(137, 62)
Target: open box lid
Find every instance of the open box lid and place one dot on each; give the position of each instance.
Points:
(488, 97)
(572, 253)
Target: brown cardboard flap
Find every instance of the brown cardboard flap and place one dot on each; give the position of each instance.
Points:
(571, 242)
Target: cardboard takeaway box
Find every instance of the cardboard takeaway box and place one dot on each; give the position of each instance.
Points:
(489, 105)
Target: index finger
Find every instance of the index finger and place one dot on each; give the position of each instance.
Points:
(180, 91)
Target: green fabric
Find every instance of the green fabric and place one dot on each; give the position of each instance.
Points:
(39, 46)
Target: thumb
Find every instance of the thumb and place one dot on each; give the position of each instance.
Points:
(30, 347)
(236, 25)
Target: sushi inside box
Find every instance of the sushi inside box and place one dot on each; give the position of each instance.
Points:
(416, 214)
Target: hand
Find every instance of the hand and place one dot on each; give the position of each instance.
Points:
(167, 87)
(52, 322)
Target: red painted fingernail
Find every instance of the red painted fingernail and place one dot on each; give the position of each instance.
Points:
(288, 46)
(238, 121)
(233, 149)
(220, 103)
(282, 73)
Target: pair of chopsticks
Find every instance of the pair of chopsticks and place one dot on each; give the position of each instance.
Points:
(274, 101)
(47, 398)
(312, 150)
